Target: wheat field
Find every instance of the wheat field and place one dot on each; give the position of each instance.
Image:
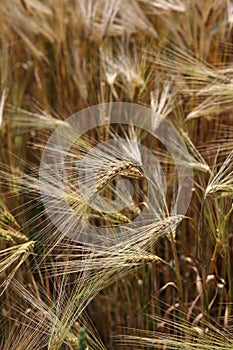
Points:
(163, 283)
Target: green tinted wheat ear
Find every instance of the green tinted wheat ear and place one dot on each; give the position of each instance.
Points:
(8, 224)
(14, 235)
(5, 215)
(4, 235)
(85, 211)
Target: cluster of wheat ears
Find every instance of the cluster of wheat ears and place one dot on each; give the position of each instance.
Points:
(167, 283)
